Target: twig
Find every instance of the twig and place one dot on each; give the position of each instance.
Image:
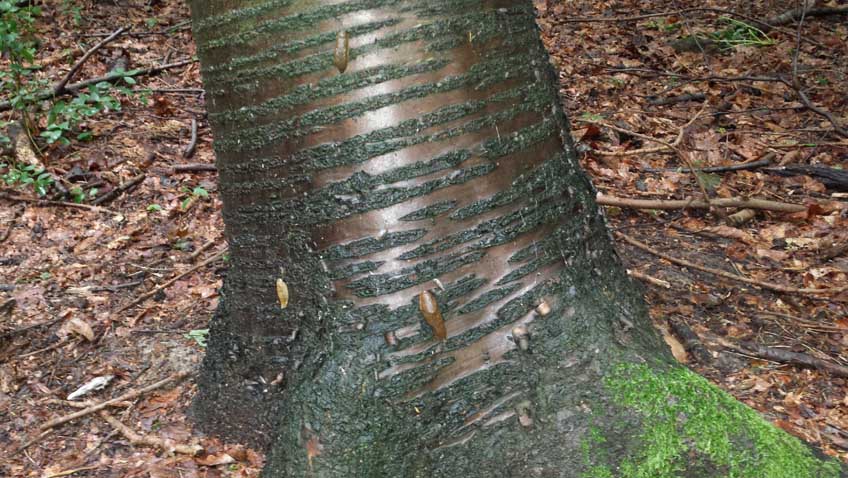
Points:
(728, 275)
(805, 100)
(45, 202)
(149, 440)
(716, 78)
(100, 406)
(156, 289)
(800, 12)
(71, 89)
(192, 144)
(114, 193)
(12, 333)
(692, 203)
(59, 87)
(718, 169)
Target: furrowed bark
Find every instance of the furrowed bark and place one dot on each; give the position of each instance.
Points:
(382, 155)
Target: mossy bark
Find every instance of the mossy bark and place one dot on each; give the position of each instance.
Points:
(377, 154)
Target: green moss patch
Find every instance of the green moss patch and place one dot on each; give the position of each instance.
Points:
(693, 428)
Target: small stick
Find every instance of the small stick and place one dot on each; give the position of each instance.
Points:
(70, 472)
(649, 279)
(100, 406)
(45, 349)
(60, 86)
(718, 169)
(192, 144)
(156, 289)
(194, 255)
(692, 203)
(149, 440)
(194, 168)
(45, 202)
(728, 275)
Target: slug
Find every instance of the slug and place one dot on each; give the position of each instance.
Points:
(341, 55)
(282, 293)
(430, 310)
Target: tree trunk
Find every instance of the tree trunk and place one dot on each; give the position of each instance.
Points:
(454, 305)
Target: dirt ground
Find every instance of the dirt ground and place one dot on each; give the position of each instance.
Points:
(125, 288)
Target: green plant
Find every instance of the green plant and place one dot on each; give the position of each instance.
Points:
(25, 92)
(27, 174)
(17, 43)
(154, 208)
(739, 33)
(199, 336)
(79, 195)
(196, 193)
(65, 116)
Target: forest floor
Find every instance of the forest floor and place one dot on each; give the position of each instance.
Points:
(122, 290)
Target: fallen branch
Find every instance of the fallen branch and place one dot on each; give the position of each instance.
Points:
(114, 193)
(677, 99)
(728, 275)
(149, 440)
(691, 341)
(102, 405)
(192, 144)
(156, 289)
(784, 356)
(692, 203)
(59, 87)
(73, 88)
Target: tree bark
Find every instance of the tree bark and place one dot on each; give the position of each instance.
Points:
(454, 306)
